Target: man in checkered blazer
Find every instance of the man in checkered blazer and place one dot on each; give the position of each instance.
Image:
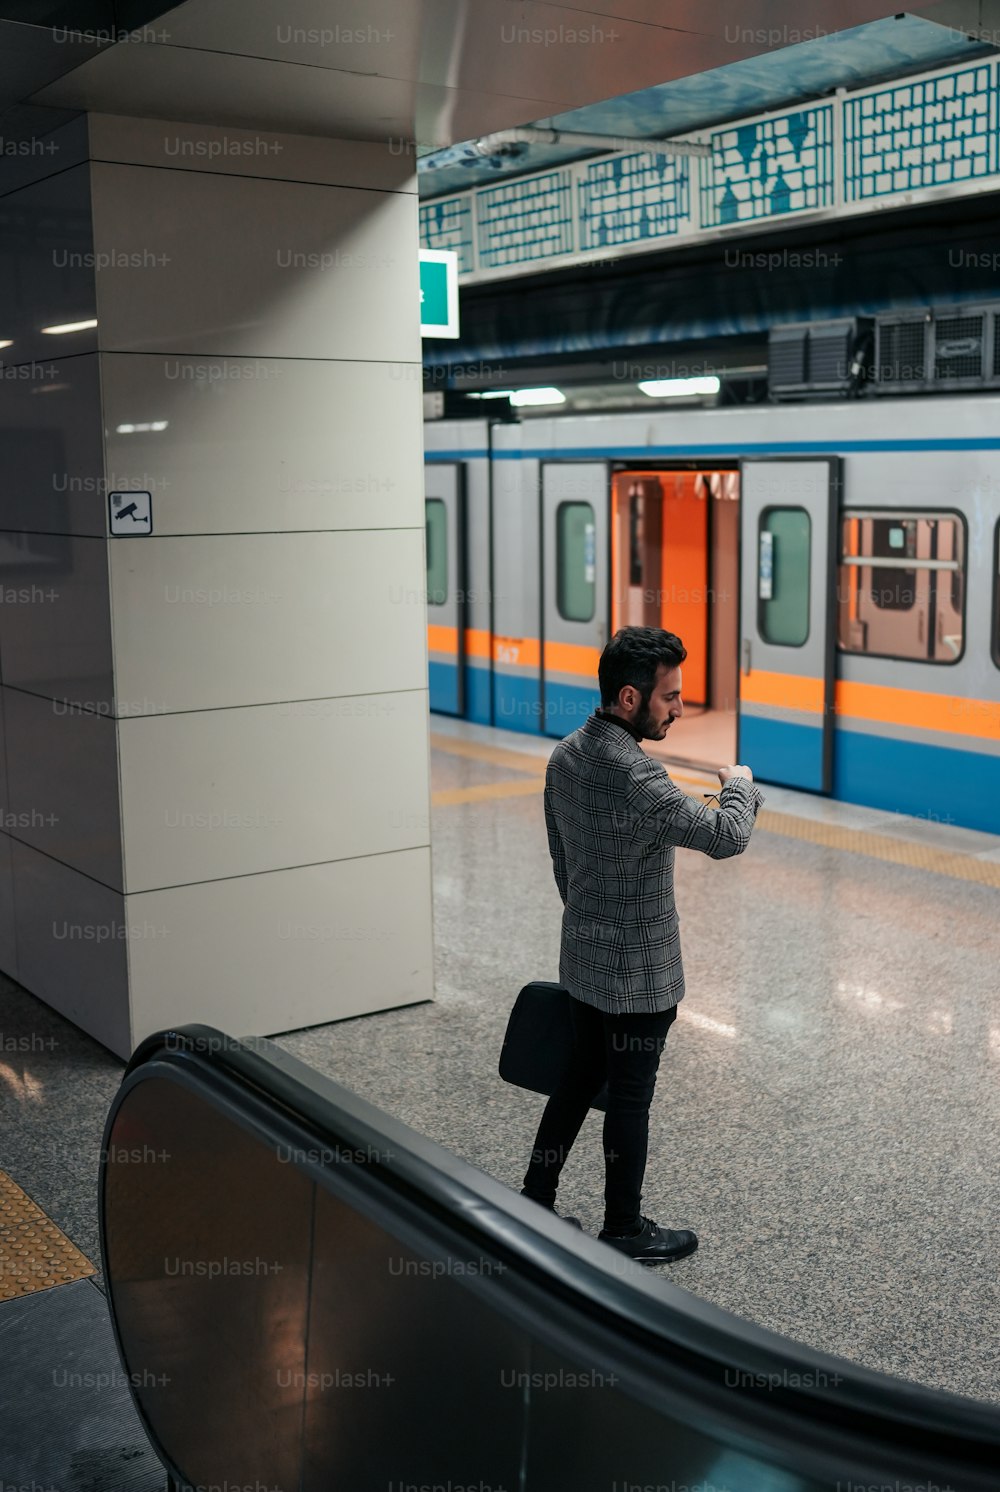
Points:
(614, 819)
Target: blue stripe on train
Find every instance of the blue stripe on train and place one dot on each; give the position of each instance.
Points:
(567, 707)
(477, 693)
(443, 684)
(731, 448)
(517, 702)
(737, 448)
(517, 705)
(777, 751)
(943, 784)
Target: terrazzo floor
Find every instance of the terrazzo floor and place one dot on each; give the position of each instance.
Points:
(827, 1111)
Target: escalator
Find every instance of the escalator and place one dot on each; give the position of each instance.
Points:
(308, 1296)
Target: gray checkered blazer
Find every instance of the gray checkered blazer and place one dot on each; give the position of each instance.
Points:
(614, 819)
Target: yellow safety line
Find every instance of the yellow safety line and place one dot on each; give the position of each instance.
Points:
(34, 1253)
(831, 836)
(486, 790)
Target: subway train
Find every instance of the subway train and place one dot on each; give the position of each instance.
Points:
(832, 570)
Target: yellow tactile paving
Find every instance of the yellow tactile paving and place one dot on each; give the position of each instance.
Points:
(882, 847)
(518, 761)
(833, 836)
(34, 1253)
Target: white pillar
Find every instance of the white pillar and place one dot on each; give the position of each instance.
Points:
(225, 719)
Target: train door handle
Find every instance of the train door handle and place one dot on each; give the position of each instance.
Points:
(746, 655)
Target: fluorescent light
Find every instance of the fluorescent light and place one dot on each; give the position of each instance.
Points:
(140, 429)
(70, 326)
(6, 344)
(493, 394)
(547, 395)
(680, 388)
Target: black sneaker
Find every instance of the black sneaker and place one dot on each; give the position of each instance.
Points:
(653, 1244)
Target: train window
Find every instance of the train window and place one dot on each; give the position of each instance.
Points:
(575, 561)
(436, 519)
(901, 585)
(783, 549)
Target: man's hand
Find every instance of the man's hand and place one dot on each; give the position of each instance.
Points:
(726, 772)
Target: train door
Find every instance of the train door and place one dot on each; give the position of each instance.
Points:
(788, 620)
(675, 564)
(574, 590)
(444, 518)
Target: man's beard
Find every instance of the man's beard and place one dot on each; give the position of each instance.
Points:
(645, 724)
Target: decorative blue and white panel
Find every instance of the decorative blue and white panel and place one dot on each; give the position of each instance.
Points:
(525, 220)
(931, 132)
(767, 167)
(446, 223)
(627, 199)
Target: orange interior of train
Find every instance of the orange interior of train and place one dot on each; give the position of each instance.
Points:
(675, 538)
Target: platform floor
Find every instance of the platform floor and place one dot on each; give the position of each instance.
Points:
(828, 1110)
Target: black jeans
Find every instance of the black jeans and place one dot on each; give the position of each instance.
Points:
(626, 1050)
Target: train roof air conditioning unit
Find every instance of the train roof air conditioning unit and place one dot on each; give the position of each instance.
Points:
(961, 357)
(934, 351)
(814, 358)
(787, 351)
(902, 361)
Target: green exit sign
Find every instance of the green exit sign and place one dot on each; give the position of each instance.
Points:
(438, 293)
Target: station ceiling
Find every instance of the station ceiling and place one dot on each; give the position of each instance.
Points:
(806, 62)
(433, 72)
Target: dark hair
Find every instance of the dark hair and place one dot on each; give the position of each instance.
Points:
(632, 657)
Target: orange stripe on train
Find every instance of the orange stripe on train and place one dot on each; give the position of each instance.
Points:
(943, 712)
(524, 652)
(786, 691)
(445, 640)
(880, 703)
(571, 657)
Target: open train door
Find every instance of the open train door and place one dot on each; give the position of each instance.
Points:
(788, 620)
(444, 516)
(575, 498)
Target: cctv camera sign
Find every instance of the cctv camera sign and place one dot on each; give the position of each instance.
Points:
(438, 293)
(131, 513)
